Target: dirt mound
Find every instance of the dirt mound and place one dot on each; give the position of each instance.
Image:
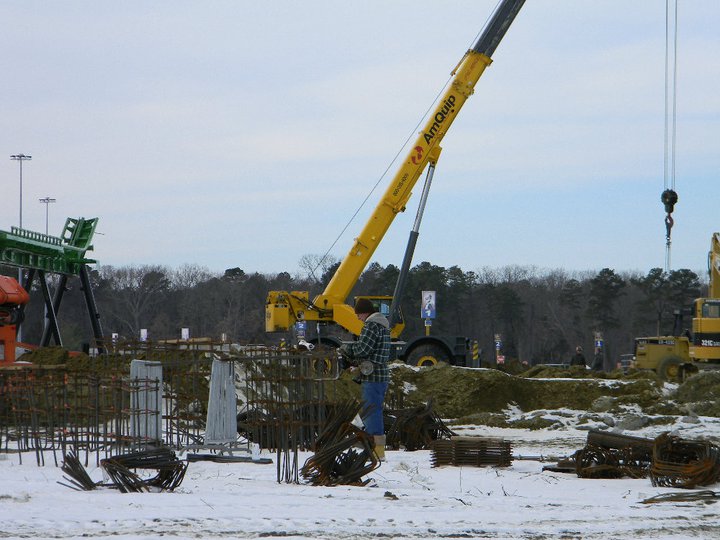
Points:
(461, 392)
(55, 356)
(484, 396)
(47, 356)
(700, 394)
(555, 372)
(542, 371)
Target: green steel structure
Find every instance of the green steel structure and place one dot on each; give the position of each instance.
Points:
(39, 254)
(61, 255)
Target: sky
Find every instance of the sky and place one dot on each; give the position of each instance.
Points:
(404, 498)
(248, 134)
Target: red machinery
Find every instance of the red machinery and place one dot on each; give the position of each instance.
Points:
(12, 297)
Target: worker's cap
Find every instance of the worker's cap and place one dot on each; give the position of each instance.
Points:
(363, 305)
(578, 348)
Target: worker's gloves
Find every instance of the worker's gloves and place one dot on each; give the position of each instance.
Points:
(344, 356)
(346, 360)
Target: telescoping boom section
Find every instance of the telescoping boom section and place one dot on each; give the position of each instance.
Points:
(284, 308)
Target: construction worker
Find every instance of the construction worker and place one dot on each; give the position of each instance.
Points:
(370, 353)
(578, 358)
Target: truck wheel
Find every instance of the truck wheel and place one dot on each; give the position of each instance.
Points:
(670, 369)
(321, 366)
(427, 355)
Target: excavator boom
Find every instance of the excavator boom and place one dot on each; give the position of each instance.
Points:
(714, 267)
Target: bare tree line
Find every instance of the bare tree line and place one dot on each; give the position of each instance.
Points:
(541, 315)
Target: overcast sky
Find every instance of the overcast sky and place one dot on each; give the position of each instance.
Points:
(247, 134)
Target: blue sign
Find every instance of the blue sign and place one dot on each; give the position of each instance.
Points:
(300, 328)
(427, 305)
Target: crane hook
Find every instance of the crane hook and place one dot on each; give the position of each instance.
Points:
(669, 222)
(669, 198)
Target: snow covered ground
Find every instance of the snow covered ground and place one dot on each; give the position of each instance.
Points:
(406, 498)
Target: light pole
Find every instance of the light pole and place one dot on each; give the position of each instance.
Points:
(20, 158)
(47, 201)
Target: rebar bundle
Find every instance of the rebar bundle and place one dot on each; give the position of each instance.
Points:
(123, 478)
(594, 461)
(471, 451)
(669, 460)
(343, 452)
(684, 464)
(79, 478)
(170, 471)
(415, 428)
(612, 455)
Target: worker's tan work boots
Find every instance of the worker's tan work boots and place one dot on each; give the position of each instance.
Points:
(379, 446)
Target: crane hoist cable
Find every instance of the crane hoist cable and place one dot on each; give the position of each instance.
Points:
(410, 136)
(669, 196)
(380, 179)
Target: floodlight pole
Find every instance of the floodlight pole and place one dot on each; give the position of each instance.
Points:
(47, 201)
(20, 158)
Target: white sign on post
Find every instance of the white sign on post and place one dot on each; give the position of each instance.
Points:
(427, 306)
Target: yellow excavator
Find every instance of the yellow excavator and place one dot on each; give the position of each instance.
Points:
(674, 357)
(284, 309)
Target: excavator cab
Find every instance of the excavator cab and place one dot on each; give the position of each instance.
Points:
(706, 329)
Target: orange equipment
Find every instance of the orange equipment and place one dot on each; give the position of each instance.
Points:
(12, 297)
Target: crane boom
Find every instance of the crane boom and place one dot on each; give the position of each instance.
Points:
(282, 308)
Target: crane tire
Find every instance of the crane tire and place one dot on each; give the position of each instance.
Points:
(427, 355)
(670, 369)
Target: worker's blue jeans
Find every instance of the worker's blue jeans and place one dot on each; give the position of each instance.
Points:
(373, 395)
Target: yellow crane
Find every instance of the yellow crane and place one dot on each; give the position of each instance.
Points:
(284, 308)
